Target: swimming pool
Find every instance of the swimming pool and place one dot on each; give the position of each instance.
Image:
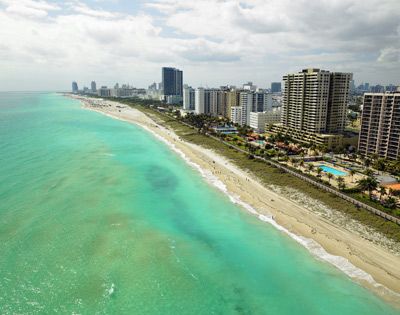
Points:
(332, 170)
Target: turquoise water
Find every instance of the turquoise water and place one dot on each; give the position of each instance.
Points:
(97, 217)
(332, 170)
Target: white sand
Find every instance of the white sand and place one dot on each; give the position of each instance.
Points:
(369, 261)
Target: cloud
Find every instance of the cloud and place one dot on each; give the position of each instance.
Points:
(82, 8)
(391, 55)
(49, 43)
(29, 8)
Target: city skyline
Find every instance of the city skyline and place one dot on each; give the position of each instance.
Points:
(117, 41)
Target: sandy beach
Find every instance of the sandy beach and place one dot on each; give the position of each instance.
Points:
(371, 263)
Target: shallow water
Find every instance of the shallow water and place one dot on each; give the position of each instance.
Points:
(98, 217)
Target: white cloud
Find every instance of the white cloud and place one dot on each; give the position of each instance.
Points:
(50, 44)
(28, 8)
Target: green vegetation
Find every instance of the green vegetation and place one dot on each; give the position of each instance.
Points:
(270, 175)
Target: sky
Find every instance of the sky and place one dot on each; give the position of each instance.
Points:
(45, 45)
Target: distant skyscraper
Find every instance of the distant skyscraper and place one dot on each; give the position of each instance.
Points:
(93, 87)
(262, 102)
(316, 100)
(249, 86)
(172, 81)
(276, 87)
(380, 128)
(390, 88)
(153, 86)
(188, 98)
(377, 89)
(74, 87)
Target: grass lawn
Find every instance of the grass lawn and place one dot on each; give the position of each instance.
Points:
(273, 176)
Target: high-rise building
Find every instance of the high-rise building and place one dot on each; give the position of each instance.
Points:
(236, 115)
(276, 87)
(246, 105)
(153, 87)
(200, 106)
(352, 86)
(188, 98)
(172, 81)
(93, 87)
(232, 100)
(104, 91)
(380, 125)
(377, 88)
(390, 88)
(74, 87)
(315, 101)
(339, 87)
(249, 86)
(262, 102)
(210, 101)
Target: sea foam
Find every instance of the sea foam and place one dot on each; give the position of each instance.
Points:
(312, 246)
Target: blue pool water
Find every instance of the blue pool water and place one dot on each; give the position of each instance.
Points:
(332, 170)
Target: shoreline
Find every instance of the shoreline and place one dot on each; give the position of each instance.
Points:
(367, 263)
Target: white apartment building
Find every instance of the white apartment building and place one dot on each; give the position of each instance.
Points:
(236, 115)
(199, 102)
(210, 101)
(260, 120)
(246, 105)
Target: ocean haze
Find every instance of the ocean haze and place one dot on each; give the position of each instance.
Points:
(235, 42)
(99, 216)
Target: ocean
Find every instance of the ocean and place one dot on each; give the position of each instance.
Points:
(97, 216)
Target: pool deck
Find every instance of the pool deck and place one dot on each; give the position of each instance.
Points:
(350, 181)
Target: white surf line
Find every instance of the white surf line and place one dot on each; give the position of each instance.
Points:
(341, 263)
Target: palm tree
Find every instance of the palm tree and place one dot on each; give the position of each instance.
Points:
(391, 203)
(319, 171)
(382, 192)
(340, 182)
(368, 184)
(367, 162)
(380, 165)
(310, 167)
(330, 175)
(369, 172)
(352, 173)
(301, 163)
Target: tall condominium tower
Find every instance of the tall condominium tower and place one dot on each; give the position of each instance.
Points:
(172, 81)
(315, 101)
(210, 101)
(93, 86)
(200, 101)
(188, 98)
(380, 125)
(246, 105)
(276, 87)
(74, 87)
